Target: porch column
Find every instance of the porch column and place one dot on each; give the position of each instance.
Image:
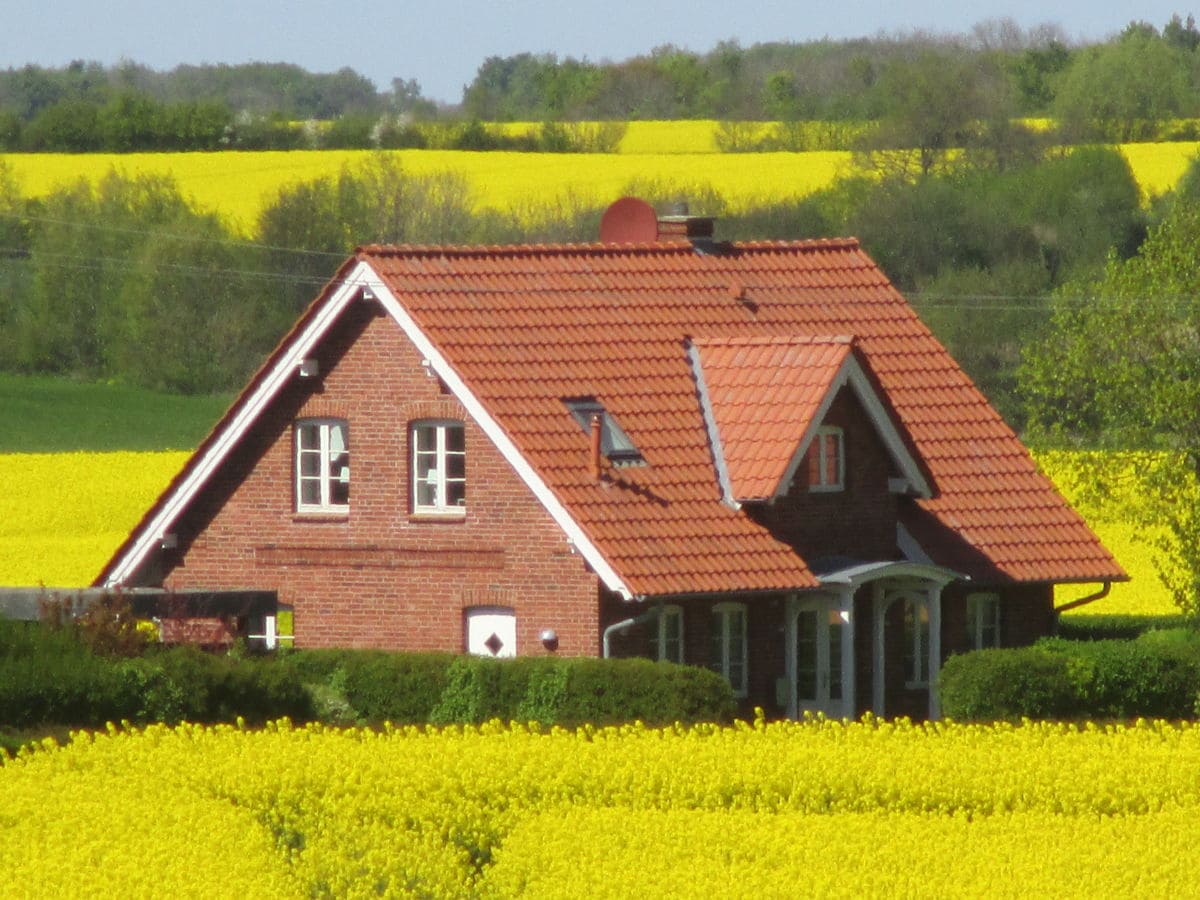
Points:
(934, 601)
(849, 661)
(877, 664)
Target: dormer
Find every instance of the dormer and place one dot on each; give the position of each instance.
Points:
(765, 402)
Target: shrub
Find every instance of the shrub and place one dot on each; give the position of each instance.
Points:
(1156, 676)
(1112, 627)
(1007, 684)
(448, 688)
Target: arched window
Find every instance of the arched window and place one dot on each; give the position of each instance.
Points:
(916, 641)
(439, 467)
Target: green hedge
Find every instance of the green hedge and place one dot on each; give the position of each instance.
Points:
(1157, 675)
(51, 676)
(1113, 627)
(374, 686)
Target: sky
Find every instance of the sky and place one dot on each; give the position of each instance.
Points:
(442, 44)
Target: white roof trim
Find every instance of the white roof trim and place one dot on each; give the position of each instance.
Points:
(851, 372)
(710, 425)
(442, 368)
(285, 368)
(360, 277)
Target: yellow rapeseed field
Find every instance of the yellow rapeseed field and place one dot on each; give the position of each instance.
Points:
(70, 511)
(237, 185)
(772, 810)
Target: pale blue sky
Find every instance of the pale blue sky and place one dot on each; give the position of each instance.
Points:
(442, 44)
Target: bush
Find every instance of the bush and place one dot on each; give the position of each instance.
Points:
(448, 688)
(1007, 684)
(52, 676)
(1156, 676)
(1113, 627)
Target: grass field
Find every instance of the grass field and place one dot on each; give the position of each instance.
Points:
(237, 185)
(51, 415)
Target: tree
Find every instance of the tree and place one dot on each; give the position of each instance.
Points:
(933, 103)
(1120, 91)
(1119, 368)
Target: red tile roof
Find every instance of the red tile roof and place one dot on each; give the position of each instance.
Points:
(765, 393)
(527, 326)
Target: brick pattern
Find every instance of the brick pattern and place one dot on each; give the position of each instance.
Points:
(379, 576)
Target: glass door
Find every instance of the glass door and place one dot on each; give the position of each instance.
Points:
(819, 628)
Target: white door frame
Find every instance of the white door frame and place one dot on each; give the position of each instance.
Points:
(884, 593)
(824, 602)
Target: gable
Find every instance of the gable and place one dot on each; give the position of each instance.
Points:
(764, 400)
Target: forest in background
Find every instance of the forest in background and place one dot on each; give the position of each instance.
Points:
(1135, 86)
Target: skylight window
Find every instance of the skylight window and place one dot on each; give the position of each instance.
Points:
(614, 442)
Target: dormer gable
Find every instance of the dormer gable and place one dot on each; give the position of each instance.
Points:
(765, 401)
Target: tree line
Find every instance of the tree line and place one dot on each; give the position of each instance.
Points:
(1137, 85)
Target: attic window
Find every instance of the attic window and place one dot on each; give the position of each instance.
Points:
(614, 442)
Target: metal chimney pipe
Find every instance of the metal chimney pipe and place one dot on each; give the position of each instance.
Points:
(595, 435)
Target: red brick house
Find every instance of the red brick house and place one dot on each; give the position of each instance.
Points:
(750, 456)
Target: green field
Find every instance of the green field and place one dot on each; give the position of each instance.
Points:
(55, 415)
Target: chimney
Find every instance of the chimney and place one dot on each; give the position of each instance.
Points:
(633, 221)
(595, 458)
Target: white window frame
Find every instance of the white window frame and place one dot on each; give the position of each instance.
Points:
(665, 652)
(728, 646)
(437, 475)
(828, 438)
(328, 470)
(983, 610)
(916, 641)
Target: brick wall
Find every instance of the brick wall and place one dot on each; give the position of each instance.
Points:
(380, 576)
(859, 521)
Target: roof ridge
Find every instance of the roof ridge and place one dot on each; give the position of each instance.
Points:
(565, 248)
(766, 340)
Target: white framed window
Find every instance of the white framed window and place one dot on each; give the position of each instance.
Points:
(439, 467)
(322, 465)
(729, 653)
(916, 642)
(827, 460)
(670, 634)
(983, 621)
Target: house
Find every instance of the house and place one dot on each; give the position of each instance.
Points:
(749, 456)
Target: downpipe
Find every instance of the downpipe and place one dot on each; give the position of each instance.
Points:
(652, 613)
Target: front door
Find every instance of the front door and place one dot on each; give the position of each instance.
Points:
(819, 633)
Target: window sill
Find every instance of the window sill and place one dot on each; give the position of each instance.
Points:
(433, 515)
(826, 488)
(318, 516)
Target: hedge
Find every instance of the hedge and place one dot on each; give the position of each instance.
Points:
(51, 676)
(1155, 676)
(1114, 627)
(448, 688)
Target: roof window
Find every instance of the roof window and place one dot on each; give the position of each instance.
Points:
(615, 444)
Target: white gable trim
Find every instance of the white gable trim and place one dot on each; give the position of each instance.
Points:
(710, 425)
(285, 368)
(360, 277)
(442, 368)
(851, 372)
